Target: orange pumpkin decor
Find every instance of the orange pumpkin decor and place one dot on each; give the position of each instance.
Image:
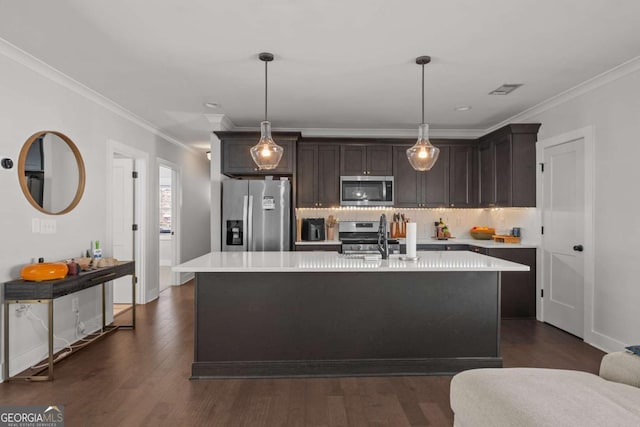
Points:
(44, 271)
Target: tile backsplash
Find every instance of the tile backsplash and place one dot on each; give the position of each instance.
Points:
(458, 220)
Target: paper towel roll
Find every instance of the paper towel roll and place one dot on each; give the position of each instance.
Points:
(412, 237)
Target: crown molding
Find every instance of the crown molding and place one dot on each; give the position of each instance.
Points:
(375, 133)
(220, 122)
(587, 86)
(47, 71)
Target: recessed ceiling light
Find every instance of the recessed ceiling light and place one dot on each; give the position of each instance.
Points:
(505, 89)
(211, 105)
(463, 108)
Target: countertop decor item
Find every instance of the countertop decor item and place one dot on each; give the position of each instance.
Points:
(44, 271)
(482, 233)
(423, 155)
(505, 238)
(266, 153)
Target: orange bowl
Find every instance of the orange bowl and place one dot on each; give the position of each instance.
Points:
(44, 271)
(482, 233)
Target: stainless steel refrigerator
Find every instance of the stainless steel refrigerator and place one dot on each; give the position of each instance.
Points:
(256, 215)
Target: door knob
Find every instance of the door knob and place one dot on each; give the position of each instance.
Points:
(578, 248)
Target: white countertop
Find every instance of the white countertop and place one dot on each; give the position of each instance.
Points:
(287, 262)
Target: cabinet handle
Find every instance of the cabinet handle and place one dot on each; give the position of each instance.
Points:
(452, 205)
(319, 204)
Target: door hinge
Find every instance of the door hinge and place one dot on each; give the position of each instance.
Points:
(541, 293)
(542, 230)
(541, 167)
(134, 227)
(134, 174)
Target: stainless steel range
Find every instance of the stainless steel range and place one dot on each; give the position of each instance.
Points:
(361, 237)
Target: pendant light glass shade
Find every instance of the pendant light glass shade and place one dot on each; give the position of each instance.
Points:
(423, 155)
(266, 153)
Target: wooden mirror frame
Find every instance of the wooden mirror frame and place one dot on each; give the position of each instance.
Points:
(21, 171)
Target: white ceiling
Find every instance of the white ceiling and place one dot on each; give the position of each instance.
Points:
(339, 63)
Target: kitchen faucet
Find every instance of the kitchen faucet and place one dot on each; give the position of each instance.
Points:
(383, 243)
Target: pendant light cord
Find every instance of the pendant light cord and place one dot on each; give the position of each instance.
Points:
(422, 94)
(265, 90)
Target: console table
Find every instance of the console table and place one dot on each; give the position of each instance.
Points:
(27, 292)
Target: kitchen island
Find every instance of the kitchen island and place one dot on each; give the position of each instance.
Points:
(273, 314)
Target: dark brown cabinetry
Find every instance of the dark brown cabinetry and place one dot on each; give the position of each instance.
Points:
(448, 184)
(236, 158)
(506, 166)
(369, 159)
(462, 191)
(323, 248)
(317, 175)
(518, 288)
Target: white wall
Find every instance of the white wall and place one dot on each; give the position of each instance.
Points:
(35, 98)
(613, 109)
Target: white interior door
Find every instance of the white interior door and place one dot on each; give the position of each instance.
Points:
(563, 237)
(122, 222)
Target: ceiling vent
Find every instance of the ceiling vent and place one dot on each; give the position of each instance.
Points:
(505, 89)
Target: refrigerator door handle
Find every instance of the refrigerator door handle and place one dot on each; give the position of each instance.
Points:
(245, 223)
(249, 223)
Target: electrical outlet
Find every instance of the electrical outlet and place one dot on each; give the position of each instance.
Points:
(75, 305)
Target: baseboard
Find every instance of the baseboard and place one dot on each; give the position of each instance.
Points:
(604, 342)
(338, 368)
(185, 277)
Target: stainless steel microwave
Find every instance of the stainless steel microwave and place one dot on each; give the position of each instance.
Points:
(366, 191)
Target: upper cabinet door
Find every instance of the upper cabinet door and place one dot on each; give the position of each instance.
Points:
(362, 159)
(486, 167)
(307, 176)
(436, 189)
(379, 160)
(353, 160)
(328, 176)
(407, 183)
(236, 157)
(503, 170)
(461, 189)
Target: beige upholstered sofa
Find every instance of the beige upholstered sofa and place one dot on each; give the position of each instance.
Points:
(549, 397)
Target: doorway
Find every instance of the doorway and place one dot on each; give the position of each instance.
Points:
(126, 221)
(123, 220)
(169, 223)
(565, 188)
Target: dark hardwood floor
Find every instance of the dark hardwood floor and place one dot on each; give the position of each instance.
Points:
(141, 377)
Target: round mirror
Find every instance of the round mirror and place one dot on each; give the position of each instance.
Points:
(51, 172)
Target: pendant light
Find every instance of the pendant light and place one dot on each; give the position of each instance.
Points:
(423, 155)
(266, 153)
